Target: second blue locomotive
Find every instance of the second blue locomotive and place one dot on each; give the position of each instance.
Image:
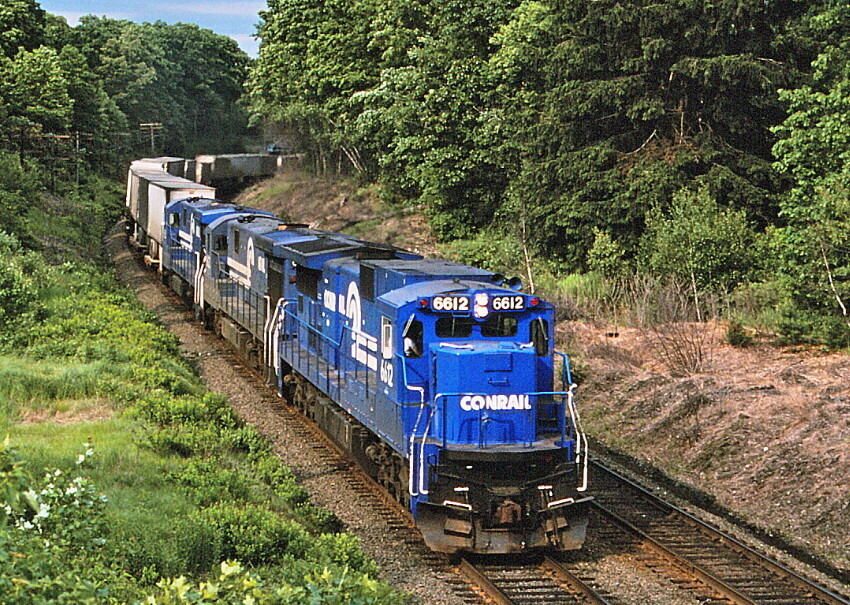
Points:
(438, 378)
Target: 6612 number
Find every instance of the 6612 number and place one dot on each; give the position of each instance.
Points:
(450, 303)
(508, 303)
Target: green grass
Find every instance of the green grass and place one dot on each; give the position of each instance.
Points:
(38, 382)
(186, 482)
(48, 444)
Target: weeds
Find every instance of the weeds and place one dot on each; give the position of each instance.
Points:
(26, 381)
(187, 482)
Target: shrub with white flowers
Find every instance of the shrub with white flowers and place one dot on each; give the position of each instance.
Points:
(63, 507)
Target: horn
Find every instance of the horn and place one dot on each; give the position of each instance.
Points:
(514, 283)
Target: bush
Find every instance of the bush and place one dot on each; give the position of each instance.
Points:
(149, 551)
(255, 535)
(34, 574)
(737, 335)
(247, 440)
(699, 241)
(606, 256)
(15, 494)
(235, 585)
(762, 304)
(165, 409)
(184, 440)
(18, 294)
(490, 251)
(51, 538)
(66, 509)
(809, 327)
(209, 482)
(343, 550)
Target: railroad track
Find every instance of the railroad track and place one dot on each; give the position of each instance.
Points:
(719, 567)
(542, 582)
(692, 553)
(723, 566)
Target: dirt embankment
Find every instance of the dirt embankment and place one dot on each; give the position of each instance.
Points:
(765, 430)
(340, 206)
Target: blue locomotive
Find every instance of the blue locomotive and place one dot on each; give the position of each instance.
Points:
(438, 378)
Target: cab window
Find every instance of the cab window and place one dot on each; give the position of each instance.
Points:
(413, 338)
(219, 243)
(500, 326)
(449, 326)
(540, 336)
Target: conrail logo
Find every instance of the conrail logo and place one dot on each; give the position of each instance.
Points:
(473, 403)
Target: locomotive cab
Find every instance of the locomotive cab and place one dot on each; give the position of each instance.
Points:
(499, 465)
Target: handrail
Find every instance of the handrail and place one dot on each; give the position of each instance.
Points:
(337, 347)
(199, 279)
(444, 396)
(567, 376)
(411, 480)
(271, 332)
(313, 328)
(582, 458)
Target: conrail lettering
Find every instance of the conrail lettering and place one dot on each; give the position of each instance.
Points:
(473, 403)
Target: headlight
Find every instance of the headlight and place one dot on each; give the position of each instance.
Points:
(482, 308)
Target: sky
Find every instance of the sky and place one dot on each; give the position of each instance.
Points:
(234, 18)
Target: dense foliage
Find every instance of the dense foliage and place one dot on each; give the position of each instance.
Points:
(814, 147)
(81, 93)
(566, 126)
(177, 483)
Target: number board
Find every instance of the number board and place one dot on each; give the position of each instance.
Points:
(459, 304)
(513, 302)
(463, 304)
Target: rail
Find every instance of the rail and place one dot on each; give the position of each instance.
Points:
(740, 573)
(521, 583)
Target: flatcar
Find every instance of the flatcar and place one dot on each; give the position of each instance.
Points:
(440, 379)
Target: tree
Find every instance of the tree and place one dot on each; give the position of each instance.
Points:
(19, 186)
(314, 58)
(699, 242)
(22, 25)
(35, 90)
(188, 78)
(432, 113)
(639, 99)
(814, 147)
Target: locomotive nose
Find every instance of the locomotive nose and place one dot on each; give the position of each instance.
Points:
(485, 393)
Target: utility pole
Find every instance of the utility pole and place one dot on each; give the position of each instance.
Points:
(78, 151)
(154, 129)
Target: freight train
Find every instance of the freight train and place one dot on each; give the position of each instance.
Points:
(441, 380)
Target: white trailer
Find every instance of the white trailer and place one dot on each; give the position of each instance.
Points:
(149, 189)
(172, 165)
(210, 168)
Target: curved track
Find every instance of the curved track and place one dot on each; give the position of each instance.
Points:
(717, 568)
(725, 567)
